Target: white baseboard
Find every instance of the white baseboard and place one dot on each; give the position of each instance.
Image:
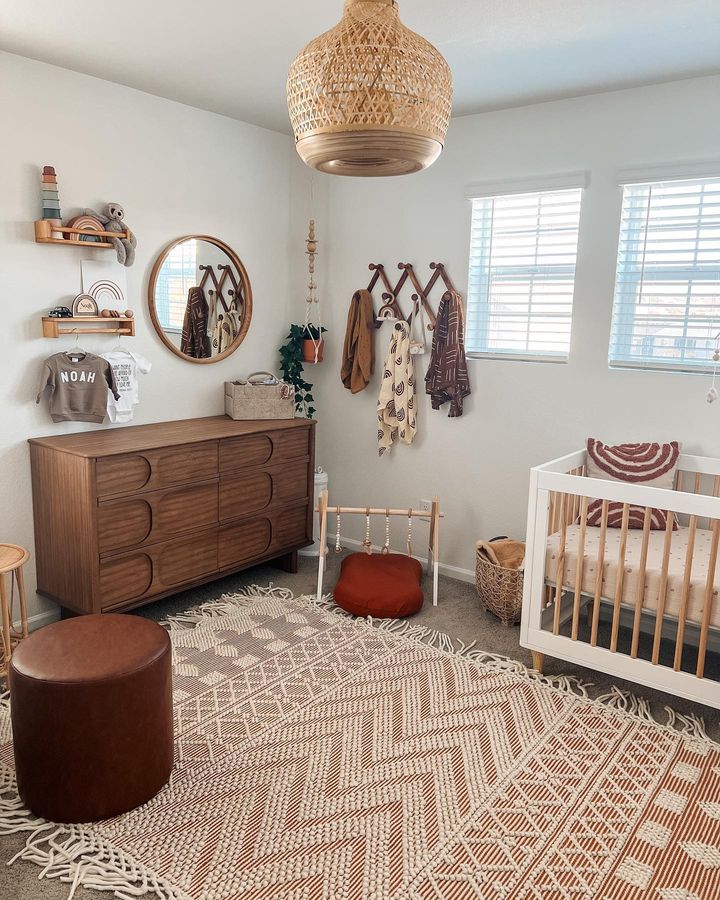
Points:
(40, 619)
(450, 571)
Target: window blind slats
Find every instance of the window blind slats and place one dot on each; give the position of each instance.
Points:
(666, 310)
(522, 273)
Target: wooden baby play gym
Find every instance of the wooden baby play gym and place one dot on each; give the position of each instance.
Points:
(381, 584)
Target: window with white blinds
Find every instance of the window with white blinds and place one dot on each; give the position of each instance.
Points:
(522, 274)
(666, 311)
(177, 275)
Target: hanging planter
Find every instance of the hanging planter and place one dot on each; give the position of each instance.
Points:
(291, 367)
(313, 344)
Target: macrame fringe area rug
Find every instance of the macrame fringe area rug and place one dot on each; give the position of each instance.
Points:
(319, 756)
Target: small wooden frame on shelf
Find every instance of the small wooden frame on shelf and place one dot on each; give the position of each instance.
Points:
(53, 328)
(44, 231)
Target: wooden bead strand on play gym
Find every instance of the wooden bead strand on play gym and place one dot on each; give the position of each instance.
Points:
(386, 545)
(409, 534)
(338, 548)
(367, 543)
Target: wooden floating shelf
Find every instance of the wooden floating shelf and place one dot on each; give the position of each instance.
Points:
(53, 328)
(45, 229)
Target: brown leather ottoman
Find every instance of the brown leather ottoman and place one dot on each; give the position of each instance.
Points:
(91, 706)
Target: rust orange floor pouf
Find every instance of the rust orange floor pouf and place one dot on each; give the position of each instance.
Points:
(385, 586)
(92, 718)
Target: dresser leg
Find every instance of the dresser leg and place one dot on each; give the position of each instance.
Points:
(288, 562)
(66, 613)
(538, 661)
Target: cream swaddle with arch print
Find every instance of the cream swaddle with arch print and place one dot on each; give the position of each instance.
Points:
(396, 401)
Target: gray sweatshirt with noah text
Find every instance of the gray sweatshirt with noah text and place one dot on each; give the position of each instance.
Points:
(77, 384)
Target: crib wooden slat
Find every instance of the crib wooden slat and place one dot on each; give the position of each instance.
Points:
(560, 571)
(662, 594)
(709, 598)
(698, 483)
(619, 578)
(685, 596)
(551, 514)
(716, 486)
(599, 573)
(575, 506)
(640, 592)
(580, 567)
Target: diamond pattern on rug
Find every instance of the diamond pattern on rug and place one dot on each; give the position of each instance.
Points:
(324, 759)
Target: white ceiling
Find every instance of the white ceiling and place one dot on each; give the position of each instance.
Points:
(232, 57)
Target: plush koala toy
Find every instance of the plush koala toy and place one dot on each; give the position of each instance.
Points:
(112, 218)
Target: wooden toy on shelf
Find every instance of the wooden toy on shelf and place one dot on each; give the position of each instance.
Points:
(50, 200)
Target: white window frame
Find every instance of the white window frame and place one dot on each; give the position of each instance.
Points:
(626, 273)
(491, 190)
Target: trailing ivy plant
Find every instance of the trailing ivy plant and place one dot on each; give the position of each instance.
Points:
(291, 366)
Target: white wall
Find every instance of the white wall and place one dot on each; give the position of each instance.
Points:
(177, 171)
(520, 413)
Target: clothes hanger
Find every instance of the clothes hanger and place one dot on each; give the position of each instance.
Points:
(118, 348)
(77, 349)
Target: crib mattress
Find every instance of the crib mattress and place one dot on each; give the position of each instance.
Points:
(676, 569)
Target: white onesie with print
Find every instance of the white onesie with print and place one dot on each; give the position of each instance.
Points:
(125, 366)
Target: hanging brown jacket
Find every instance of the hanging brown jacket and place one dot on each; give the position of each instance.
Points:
(447, 375)
(195, 340)
(358, 359)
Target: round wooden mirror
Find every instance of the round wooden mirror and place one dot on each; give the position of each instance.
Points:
(200, 298)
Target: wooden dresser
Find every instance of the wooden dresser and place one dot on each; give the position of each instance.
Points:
(125, 516)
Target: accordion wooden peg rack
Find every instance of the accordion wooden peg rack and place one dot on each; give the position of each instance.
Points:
(389, 306)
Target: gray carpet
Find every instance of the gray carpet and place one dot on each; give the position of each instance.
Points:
(458, 614)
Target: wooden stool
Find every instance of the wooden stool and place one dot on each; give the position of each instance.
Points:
(12, 559)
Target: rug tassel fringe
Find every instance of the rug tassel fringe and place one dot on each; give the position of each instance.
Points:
(226, 605)
(74, 856)
(689, 724)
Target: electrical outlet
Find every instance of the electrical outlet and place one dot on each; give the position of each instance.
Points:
(425, 506)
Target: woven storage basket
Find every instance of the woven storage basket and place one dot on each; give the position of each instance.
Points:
(500, 590)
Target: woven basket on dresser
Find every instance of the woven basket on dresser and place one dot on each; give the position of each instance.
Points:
(500, 590)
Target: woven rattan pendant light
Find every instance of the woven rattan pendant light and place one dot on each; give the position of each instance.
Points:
(369, 97)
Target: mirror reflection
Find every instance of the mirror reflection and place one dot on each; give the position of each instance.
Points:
(200, 299)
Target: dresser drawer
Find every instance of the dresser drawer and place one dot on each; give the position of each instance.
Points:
(263, 449)
(291, 444)
(155, 516)
(157, 568)
(260, 536)
(244, 452)
(153, 469)
(185, 559)
(244, 493)
(125, 578)
(291, 527)
(244, 541)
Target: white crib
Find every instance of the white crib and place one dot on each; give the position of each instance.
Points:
(650, 598)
